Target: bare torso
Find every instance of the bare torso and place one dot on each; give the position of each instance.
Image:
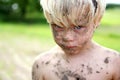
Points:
(95, 65)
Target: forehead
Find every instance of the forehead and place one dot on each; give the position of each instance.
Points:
(69, 23)
(61, 24)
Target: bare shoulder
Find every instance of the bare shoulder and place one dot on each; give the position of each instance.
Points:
(112, 58)
(54, 53)
(111, 53)
(39, 65)
(105, 52)
(37, 68)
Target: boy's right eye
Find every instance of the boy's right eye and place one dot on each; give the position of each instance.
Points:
(58, 28)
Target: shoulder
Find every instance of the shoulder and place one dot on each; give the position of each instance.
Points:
(114, 59)
(115, 64)
(108, 55)
(37, 67)
(110, 52)
(44, 62)
(41, 63)
(54, 53)
(45, 57)
(104, 51)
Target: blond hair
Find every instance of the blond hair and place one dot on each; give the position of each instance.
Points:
(76, 12)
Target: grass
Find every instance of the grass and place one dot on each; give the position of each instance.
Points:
(36, 30)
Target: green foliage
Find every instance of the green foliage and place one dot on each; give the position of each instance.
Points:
(111, 17)
(112, 6)
(108, 36)
(17, 9)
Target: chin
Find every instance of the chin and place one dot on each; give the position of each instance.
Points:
(71, 51)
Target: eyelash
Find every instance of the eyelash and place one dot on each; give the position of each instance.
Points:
(77, 27)
(58, 28)
(61, 28)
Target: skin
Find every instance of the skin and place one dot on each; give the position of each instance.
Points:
(73, 39)
(76, 57)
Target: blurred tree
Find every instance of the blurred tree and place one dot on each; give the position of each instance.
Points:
(21, 5)
(4, 8)
(17, 9)
(112, 6)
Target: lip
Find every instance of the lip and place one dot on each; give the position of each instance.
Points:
(69, 47)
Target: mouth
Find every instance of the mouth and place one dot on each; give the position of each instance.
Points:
(69, 47)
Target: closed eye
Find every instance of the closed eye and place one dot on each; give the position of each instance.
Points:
(77, 27)
(56, 26)
(59, 28)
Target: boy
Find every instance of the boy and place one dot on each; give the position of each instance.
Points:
(76, 57)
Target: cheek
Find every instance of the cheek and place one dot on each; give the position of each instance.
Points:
(57, 36)
(55, 33)
(84, 36)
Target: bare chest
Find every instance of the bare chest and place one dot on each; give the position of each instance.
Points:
(86, 70)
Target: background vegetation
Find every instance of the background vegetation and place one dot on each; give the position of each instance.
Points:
(24, 34)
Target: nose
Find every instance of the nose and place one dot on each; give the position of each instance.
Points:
(68, 36)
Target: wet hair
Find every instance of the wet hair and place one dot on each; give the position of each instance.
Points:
(73, 12)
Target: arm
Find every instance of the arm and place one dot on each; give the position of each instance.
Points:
(37, 71)
(117, 68)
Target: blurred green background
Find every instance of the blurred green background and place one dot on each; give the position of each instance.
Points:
(24, 33)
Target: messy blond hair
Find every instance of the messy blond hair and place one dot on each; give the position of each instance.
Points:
(76, 12)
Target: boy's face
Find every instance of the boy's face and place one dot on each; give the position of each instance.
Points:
(72, 39)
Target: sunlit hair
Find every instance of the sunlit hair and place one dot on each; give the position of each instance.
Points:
(73, 12)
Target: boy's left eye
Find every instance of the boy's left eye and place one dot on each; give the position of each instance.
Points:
(77, 27)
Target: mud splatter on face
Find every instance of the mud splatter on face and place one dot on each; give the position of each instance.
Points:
(43, 78)
(119, 78)
(106, 60)
(55, 33)
(95, 4)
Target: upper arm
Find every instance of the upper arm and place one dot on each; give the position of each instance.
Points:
(117, 68)
(37, 71)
